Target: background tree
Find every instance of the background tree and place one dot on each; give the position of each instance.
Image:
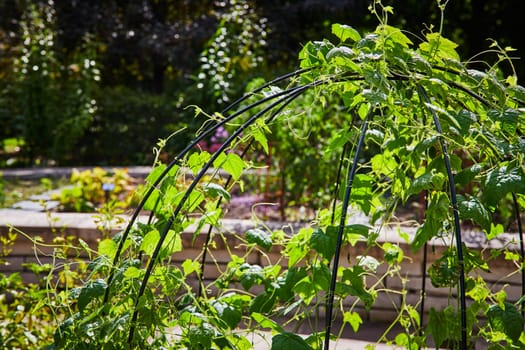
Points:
(152, 57)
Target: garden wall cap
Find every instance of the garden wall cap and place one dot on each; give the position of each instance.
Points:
(57, 172)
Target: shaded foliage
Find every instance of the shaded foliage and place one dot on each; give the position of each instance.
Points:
(157, 48)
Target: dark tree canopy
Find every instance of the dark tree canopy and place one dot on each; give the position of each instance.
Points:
(156, 48)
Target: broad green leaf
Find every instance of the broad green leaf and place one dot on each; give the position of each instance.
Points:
(194, 200)
(260, 237)
(133, 272)
(501, 181)
(231, 163)
(265, 322)
(197, 160)
(90, 291)
(466, 175)
(201, 337)
(508, 119)
(438, 45)
(172, 244)
(392, 253)
(343, 52)
(324, 243)
(420, 64)
(368, 262)
(215, 190)
(437, 327)
(345, 32)
(374, 96)
(352, 284)
(296, 248)
(287, 283)
(314, 53)
(107, 247)
(150, 241)
(465, 119)
(368, 42)
(227, 313)
(506, 319)
(189, 266)
(429, 181)
(449, 118)
(394, 35)
(436, 217)
(353, 319)
(263, 303)
(251, 275)
(495, 230)
(472, 209)
(518, 92)
(260, 136)
(288, 341)
(321, 277)
(384, 163)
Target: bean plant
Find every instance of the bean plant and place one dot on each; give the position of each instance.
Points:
(413, 120)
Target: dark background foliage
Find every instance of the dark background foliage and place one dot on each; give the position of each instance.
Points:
(148, 54)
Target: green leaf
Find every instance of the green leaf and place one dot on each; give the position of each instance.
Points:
(263, 303)
(324, 243)
(353, 319)
(507, 320)
(436, 216)
(215, 190)
(352, 284)
(265, 322)
(508, 119)
(438, 45)
(251, 275)
(468, 174)
(286, 283)
(258, 132)
(227, 313)
(472, 209)
(107, 247)
(384, 163)
(201, 337)
(150, 241)
(197, 160)
(465, 119)
(231, 163)
(260, 237)
(342, 52)
(133, 272)
(345, 32)
(368, 262)
(432, 180)
(443, 325)
(172, 244)
(288, 341)
(90, 291)
(314, 53)
(392, 253)
(394, 35)
(189, 266)
(501, 181)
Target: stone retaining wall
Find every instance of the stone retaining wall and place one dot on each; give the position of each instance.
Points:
(502, 273)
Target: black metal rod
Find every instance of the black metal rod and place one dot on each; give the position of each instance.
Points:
(522, 252)
(342, 224)
(424, 273)
(457, 223)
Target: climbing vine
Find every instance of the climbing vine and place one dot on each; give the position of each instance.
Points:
(419, 122)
